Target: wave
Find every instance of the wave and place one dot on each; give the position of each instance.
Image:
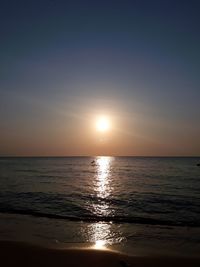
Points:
(95, 219)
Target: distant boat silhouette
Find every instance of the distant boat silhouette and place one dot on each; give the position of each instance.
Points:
(93, 162)
(198, 164)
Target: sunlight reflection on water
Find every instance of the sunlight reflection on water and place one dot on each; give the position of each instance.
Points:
(100, 233)
(102, 186)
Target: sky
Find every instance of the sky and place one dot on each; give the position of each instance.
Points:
(65, 63)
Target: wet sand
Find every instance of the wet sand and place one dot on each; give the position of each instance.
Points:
(22, 254)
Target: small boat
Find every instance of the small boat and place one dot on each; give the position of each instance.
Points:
(93, 162)
(198, 164)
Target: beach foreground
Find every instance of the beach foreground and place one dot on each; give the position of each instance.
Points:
(22, 254)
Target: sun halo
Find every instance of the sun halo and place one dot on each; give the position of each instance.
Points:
(102, 124)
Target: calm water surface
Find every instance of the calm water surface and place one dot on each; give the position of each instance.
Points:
(134, 204)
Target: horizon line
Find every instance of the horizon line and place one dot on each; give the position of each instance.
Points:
(70, 156)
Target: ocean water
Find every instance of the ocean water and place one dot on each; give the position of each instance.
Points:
(132, 204)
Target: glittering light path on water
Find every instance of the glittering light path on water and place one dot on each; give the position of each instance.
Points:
(100, 233)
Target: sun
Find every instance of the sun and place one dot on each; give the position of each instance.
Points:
(102, 124)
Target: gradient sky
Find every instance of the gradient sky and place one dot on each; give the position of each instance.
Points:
(63, 63)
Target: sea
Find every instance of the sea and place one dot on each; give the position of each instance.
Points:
(135, 205)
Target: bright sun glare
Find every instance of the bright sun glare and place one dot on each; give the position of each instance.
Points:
(102, 124)
(100, 244)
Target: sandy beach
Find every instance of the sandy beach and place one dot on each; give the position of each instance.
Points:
(22, 254)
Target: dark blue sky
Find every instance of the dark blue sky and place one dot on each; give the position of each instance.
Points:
(135, 61)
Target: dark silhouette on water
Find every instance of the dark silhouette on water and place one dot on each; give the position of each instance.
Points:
(198, 164)
(93, 163)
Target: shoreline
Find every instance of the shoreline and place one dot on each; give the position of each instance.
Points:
(13, 253)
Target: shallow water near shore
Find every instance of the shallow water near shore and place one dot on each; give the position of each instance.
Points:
(135, 205)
